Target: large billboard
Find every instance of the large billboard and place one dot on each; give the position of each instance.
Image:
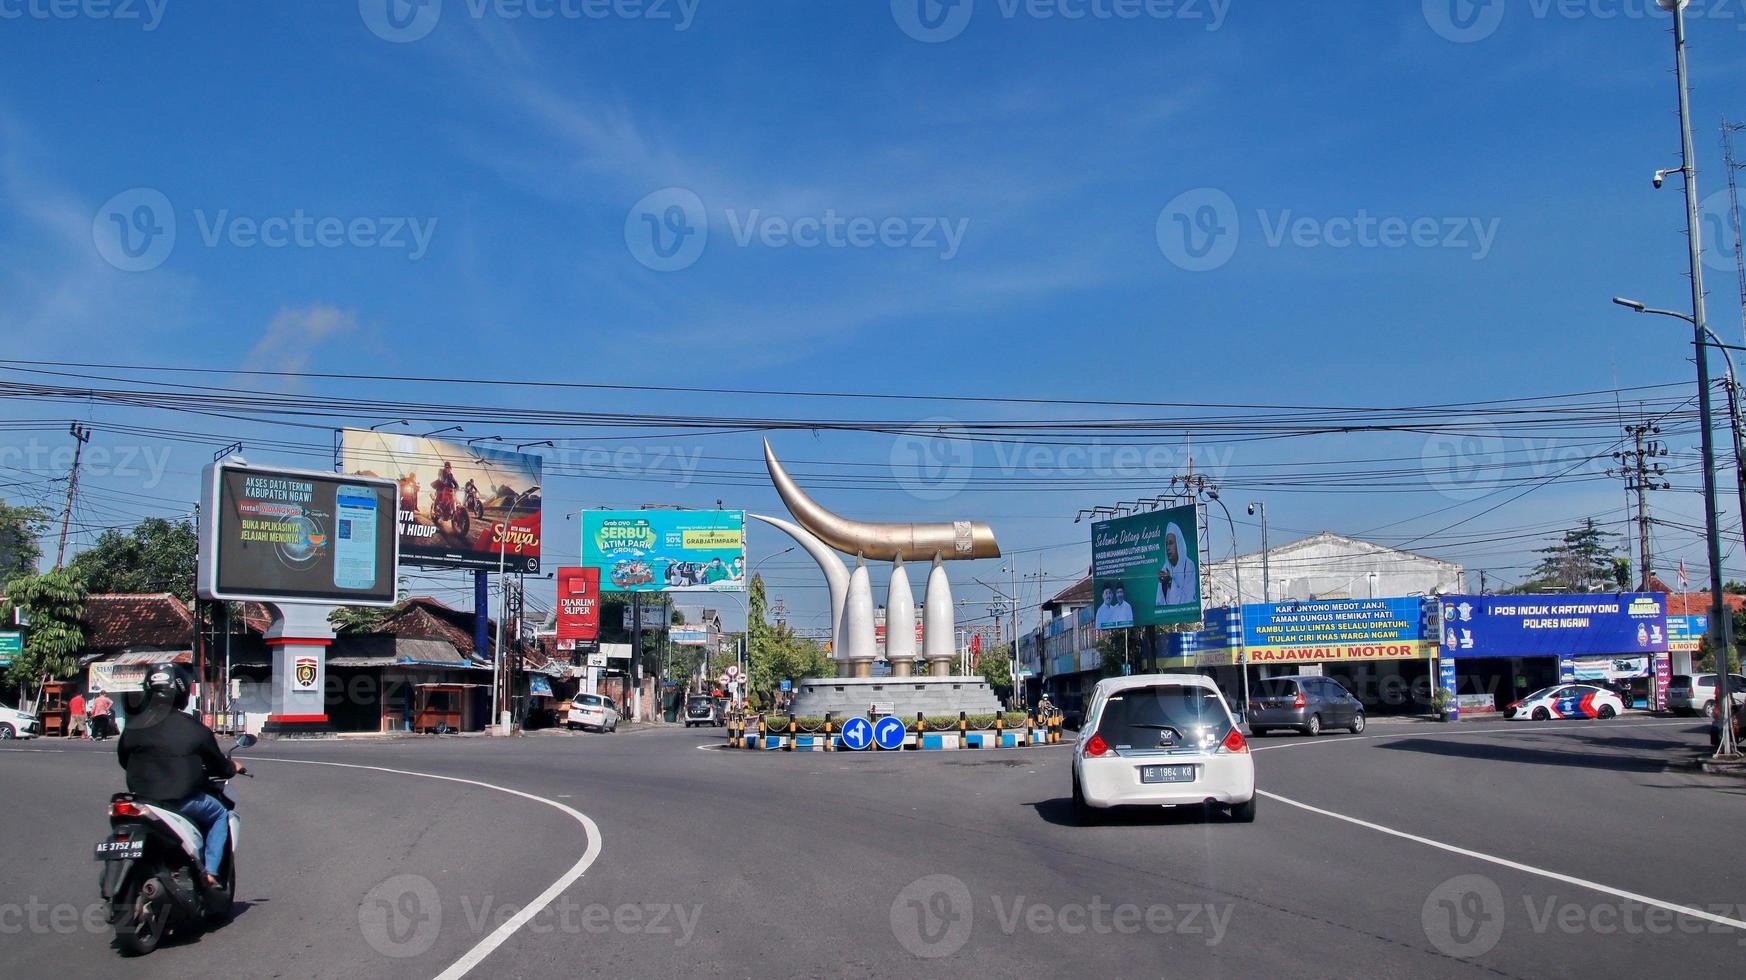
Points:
(1336, 630)
(455, 500)
(666, 550)
(1629, 624)
(578, 603)
(1145, 569)
(269, 534)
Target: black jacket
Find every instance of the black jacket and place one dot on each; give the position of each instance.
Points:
(168, 755)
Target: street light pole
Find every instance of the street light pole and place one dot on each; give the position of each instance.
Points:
(1721, 623)
(1237, 569)
(1266, 571)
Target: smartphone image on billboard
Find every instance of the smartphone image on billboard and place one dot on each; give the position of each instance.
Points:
(354, 557)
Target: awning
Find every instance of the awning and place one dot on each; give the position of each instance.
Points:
(153, 657)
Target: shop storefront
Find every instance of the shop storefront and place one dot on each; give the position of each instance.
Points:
(1509, 646)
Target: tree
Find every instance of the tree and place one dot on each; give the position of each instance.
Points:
(777, 652)
(54, 604)
(156, 556)
(995, 667)
(1584, 560)
(21, 529)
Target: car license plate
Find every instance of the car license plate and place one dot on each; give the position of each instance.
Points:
(121, 850)
(1166, 774)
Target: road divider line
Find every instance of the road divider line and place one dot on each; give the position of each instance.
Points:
(1416, 733)
(485, 947)
(1515, 865)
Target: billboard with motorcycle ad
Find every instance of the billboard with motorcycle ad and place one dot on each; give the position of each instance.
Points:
(461, 506)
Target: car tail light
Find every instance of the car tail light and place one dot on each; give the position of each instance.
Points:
(1097, 747)
(1235, 742)
(125, 808)
(1300, 701)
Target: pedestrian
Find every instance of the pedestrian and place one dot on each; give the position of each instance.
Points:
(102, 716)
(78, 726)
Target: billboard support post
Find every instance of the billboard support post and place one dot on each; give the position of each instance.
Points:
(299, 637)
(481, 610)
(636, 671)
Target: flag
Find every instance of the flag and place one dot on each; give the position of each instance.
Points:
(1684, 579)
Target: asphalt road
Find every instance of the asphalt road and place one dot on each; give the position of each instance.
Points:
(1565, 848)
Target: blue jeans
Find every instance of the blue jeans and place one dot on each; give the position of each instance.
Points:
(214, 822)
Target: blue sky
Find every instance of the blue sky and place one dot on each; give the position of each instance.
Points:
(491, 176)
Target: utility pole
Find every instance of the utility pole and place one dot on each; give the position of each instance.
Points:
(81, 435)
(1734, 167)
(1721, 623)
(1641, 476)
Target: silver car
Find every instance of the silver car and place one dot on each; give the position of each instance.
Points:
(1309, 704)
(1695, 694)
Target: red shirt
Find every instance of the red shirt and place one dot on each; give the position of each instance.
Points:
(77, 705)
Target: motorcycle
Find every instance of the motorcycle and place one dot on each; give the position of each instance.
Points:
(443, 508)
(474, 504)
(152, 866)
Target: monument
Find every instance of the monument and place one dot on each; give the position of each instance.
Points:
(932, 688)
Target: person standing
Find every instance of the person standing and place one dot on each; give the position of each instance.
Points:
(77, 725)
(102, 716)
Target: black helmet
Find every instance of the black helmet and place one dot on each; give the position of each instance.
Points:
(166, 682)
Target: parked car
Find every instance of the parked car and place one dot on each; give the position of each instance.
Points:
(593, 712)
(1566, 701)
(1307, 703)
(18, 724)
(701, 709)
(1695, 694)
(1161, 740)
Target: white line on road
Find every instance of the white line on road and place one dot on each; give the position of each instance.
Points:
(489, 944)
(1516, 865)
(1419, 733)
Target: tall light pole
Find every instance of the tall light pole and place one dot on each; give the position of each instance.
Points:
(1236, 567)
(1721, 622)
(1266, 573)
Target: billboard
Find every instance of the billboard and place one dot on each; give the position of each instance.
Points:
(1145, 569)
(455, 500)
(1629, 625)
(578, 603)
(1685, 633)
(269, 534)
(11, 648)
(689, 636)
(666, 550)
(1342, 629)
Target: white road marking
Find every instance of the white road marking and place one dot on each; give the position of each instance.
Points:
(1492, 858)
(489, 944)
(1416, 733)
(1515, 865)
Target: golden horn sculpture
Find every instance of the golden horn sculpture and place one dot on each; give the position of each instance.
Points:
(951, 541)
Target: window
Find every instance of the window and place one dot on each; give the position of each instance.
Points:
(1163, 716)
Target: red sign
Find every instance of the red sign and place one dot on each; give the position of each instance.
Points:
(578, 603)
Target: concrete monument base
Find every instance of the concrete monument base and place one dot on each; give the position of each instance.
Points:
(937, 697)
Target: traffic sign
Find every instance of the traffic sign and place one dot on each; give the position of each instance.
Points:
(888, 733)
(857, 734)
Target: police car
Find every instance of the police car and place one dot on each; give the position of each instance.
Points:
(1566, 701)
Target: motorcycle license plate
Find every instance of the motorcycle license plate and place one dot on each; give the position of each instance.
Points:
(1166, 774)
(121, 850)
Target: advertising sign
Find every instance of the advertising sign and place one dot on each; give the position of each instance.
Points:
(666, 550)
(1446, 681)
(114, 678)
(1663, 677)
(1145, 569)
(1343, 629)
(1627, 625)
(689, 636)
(1614, 668)
(1684, 633)
(578, 604)
(269, 534)
(11, 648)
(456, 500)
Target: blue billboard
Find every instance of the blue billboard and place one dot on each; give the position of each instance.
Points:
(1336, 629)
(1628, 623)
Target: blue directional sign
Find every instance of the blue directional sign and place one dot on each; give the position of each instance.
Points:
(857, 734)
(888, 733)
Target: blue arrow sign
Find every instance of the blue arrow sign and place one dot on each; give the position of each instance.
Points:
(888, 733)
(857, 733)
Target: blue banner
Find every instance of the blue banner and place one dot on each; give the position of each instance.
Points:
(1336, 629)
(1564, 626)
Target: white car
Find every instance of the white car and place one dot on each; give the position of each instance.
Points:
(1161, 740)
(593, 712)
(18, 724)
(1567, 701)
(1695, 694)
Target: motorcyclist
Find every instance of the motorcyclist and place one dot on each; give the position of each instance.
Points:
(169, 756)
